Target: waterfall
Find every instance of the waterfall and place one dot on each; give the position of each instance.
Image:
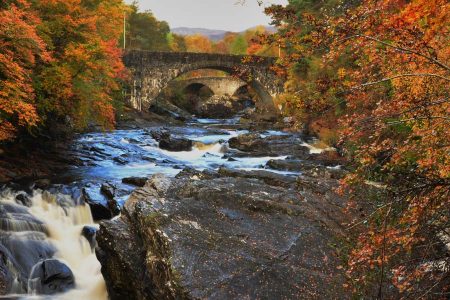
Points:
(52, 226)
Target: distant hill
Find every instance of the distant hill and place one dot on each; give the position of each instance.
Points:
(215, 35)
(212, 34)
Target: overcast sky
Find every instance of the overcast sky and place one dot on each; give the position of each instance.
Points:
(211, 14)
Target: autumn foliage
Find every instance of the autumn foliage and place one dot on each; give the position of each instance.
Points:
(20, 49)
(380, 70)
(59, 62)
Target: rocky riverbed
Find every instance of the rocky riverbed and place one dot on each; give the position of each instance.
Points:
(217, 209)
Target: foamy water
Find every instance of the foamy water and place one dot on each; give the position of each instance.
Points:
(64, 227)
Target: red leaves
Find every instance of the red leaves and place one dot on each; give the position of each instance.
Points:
(384, 72)
(20, 48)
(76, 79)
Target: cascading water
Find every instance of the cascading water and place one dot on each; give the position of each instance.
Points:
(41, 236)
(48, 235)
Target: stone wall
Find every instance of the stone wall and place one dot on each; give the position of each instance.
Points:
(152, 72)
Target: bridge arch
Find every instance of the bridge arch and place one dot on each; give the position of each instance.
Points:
(198, 89)
(152, 72)
(220, 86)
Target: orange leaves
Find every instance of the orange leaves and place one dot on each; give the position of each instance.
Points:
(198, 43)
(384, 72)
(77, 78)
(81, 81)
(20, 48)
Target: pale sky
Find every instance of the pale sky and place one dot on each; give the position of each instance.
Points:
(211, 14)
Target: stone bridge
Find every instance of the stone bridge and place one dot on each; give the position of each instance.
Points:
(152, 72)
(220, 86)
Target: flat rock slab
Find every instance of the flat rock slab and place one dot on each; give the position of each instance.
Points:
(223, 238)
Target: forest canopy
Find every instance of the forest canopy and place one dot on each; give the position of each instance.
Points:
(372, 78)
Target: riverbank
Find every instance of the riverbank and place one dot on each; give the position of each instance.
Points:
(227, 186)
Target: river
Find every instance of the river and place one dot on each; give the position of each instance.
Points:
(41, 226)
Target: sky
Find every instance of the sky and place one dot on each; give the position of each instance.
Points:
(211, 14)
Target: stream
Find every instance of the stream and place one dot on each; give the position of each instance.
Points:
(46, 236)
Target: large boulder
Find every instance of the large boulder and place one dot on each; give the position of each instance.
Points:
(102, 206)
(136, 181)
(23, 243)
(171, 143)
(221, 237)
(50, 277)
(276, 145)
(175, 144)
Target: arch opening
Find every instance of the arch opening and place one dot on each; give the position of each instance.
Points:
(206, 100)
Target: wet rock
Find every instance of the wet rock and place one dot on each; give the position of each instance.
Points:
(23, 199)
(102, 208)
(293, 165)
(6, 277)
(51, 277)
(22, 251)
(42, 184)
(223, 238)
(168, 142)
(197, 175)
(136, 181)
(89, 233)
(175, 144)
(257, 145)
(108, 189)
(16, 218)
(120, 160)
(159, 134)
(266, 176)
(164, 108)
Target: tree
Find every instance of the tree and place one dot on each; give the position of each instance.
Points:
(145, 32)
(20, 50)
(79, 82)
(239, 45)
(198, 43)
(384, 75)
(176, 42)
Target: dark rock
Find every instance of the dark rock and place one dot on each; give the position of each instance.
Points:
(175, 144)
(23, 199)
(16, 218)
(102, 208)
(159, 134)
(120, 160)
(293, 165)
(266, 176)
(195, 174)
(51, 277)
(89, 233)
(22, 251)
(165, 108)
(108, 189)
(6, 277)
(42, 184)
(256, 145)
(217, 107)
(223, 238)
(136, 181)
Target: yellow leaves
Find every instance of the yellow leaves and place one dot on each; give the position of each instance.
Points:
(198, 43)
(341, 73)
